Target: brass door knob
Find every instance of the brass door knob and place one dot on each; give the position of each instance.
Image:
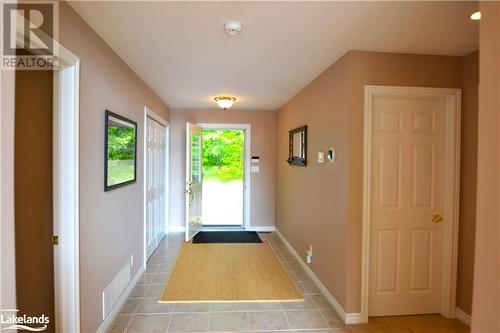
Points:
(437, 218)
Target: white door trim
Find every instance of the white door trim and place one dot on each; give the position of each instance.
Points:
(148, 113)
(247, 128)
(451, 200)
(66, 192)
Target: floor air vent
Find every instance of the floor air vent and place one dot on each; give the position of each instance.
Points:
(115, 289)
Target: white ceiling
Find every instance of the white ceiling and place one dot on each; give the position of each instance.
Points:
(181, 51)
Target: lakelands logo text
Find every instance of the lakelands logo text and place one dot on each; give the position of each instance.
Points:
(29, 30)
(9, 320)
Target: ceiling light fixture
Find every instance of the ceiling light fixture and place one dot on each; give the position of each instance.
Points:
(476, 16)
(225, 102)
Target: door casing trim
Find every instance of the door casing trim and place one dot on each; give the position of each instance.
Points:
(247, 129)
(451, 183)
(66, 180)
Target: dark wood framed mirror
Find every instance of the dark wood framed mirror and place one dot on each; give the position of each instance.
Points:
(297, 146)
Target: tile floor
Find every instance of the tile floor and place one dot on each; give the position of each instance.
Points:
(142, 313)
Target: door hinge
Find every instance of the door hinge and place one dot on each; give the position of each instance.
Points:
(55, 240)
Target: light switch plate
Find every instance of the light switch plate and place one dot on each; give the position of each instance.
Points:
(321, 157)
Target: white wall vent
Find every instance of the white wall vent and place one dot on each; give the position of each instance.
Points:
(115, 289)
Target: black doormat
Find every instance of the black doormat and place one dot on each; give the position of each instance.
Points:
(227, 237)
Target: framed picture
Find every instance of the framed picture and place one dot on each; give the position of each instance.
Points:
(120, 151)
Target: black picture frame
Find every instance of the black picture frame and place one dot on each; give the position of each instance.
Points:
(302, 159)
(108, 115)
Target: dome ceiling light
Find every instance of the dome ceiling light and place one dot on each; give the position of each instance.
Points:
(225, 102)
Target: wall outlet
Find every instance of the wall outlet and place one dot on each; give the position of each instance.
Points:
(309, 255)
(131, 260)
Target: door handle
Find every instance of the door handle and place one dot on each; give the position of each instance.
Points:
(188, 190)
(437, 218)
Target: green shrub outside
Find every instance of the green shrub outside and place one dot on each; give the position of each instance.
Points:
(222, 156)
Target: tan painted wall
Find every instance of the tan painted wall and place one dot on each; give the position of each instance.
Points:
(468, 181)
(321, 205)
(263, 140)
(111, 223)
(33, 194)
(486, 300)
(7, 232)
(312, 200)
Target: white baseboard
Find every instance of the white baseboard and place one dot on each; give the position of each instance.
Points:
(176, 229)
(217, 229)
(353, 318)
(261, 228)
(123, 298)
(347, 318)
(462, 316)
(258, 229)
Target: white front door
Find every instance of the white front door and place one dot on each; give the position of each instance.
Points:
(194, 179)
(407, 204)
(155, 184)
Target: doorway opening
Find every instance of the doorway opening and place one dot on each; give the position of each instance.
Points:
(217, 177)
(223, 177)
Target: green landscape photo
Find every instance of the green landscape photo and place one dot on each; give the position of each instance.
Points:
(121, 144)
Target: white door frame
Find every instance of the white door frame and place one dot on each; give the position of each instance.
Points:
(247, 129)
(66, 192)
(451, 193)
(148, 113)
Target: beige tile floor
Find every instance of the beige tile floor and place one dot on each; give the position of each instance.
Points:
(142, 313)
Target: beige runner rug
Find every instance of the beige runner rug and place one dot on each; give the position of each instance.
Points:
(228, 273)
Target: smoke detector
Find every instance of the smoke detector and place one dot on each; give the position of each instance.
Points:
(233, 28)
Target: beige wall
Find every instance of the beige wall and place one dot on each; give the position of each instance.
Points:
(263, 144)
(486, 300)
(312, 200)
(33, 194)
(321, 205)
(468, 181)
(7, 232)
(111, 223)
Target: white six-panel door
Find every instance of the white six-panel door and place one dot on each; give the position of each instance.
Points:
(155, 184)
(406, 199)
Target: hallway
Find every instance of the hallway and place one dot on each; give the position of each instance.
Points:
(356, 137)
(142, 313)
